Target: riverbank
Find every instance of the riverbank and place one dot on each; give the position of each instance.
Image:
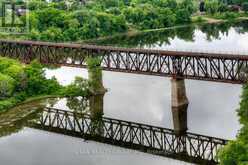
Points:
(17, 117)
(196, 20)
(204, 20)
(219, 18)
(29, 100)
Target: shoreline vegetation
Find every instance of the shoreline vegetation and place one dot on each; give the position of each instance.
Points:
(58, 21)
(236, 151)
(23, 83)
(204, 20)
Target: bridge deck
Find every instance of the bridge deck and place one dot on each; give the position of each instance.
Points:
(155, 140)
(189, 65)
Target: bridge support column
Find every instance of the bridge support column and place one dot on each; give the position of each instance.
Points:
(96, 105)
(179, 105)
(97, 91)
(96, 101)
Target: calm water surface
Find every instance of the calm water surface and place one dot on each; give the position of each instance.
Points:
(140, 98)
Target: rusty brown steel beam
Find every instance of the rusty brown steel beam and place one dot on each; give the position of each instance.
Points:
(190, 65)
(133, 50)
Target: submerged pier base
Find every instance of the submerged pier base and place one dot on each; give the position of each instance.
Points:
(179, 105)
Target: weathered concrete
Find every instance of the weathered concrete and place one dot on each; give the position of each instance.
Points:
(179, 105)
(96, 105)
(96, 112)
(97, 92)
(96, 101)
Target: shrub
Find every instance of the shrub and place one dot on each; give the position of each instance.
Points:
(79, 87)
(18, 82)
(183, 16)
(6, 62)
(236, 152)
(7, 86)
(211, 6)
(199, 19)
(245, 6)
(95, 74)
(15, 71)
(230, 15)
(52, 33)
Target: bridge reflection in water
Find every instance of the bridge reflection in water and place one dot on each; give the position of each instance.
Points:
(185, 146)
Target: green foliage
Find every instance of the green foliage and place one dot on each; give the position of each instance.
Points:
(80, 87)
(245, 6)
(212, 6)
(236, 152)
(58, 21)
(95, 74)
(6, 62)
(236, 2)
(36, 81)
(52, 33)
(226, 15)
(7, 103)
(18, 82)
(49, 17)
(199, 19)
(188, 6)
(15, 71)
(183, 16)
(7, 86)
(36, 5)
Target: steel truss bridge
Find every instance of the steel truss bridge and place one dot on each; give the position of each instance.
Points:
(188, 65)
(146, 138)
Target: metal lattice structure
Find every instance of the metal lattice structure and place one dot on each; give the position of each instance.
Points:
(189, 65)
(156, 140)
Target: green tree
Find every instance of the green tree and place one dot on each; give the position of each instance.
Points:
(245, 6)
(211, 6)
(183, 16)
(7, 86)
(236, 152)
(52, 33)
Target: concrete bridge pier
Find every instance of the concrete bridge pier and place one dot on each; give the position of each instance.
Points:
(96, 101)
(97, 91)
(179, 105)
(96, 104)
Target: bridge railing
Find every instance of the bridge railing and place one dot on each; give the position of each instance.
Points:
(156, 140)
(190, 65)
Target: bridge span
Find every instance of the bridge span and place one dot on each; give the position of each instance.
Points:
(180, 65)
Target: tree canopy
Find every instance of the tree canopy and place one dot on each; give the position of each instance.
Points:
(59, 21)
(19, 82)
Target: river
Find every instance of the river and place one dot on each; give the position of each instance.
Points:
(141, 98)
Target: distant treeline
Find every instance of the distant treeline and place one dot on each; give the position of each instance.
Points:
(75, 20)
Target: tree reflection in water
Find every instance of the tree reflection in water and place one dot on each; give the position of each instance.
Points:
(163, 37)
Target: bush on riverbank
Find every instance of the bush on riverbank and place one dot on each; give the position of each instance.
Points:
(19, 82)
(56, 21)
(236, 152)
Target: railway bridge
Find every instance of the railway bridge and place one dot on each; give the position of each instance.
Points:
(185, 65)
(226, 68)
